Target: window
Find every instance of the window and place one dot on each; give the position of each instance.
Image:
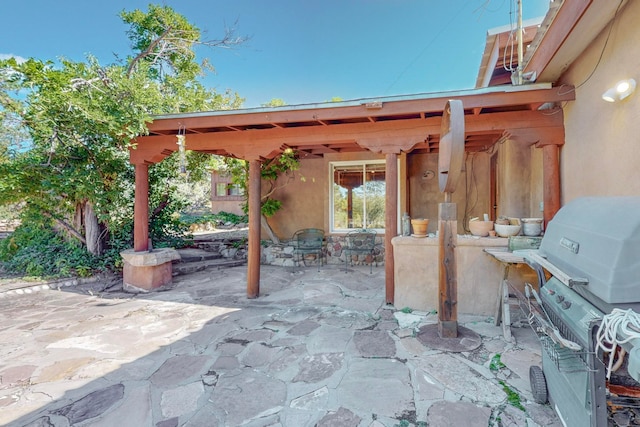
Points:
(227, 189)
(358, 195)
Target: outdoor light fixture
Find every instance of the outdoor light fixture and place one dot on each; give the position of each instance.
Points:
(620, 91)
(181, 149)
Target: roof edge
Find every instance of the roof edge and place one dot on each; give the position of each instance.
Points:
(361, 101)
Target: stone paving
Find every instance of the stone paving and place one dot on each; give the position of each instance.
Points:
(318, 348)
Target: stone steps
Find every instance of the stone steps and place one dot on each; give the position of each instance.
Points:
(193, 260)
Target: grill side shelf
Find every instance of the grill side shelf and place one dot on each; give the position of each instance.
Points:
(559, 274)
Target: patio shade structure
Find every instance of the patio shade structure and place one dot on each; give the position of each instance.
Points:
(388, 126)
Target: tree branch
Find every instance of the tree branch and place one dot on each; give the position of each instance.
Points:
(146, 52)
(67, 227)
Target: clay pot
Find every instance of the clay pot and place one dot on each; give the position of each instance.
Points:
(480, 228)
(419, 226)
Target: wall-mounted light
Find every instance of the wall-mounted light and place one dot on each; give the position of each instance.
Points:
(620, 91)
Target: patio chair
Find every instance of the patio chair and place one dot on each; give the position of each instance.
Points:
(308, 241)
(360, 242)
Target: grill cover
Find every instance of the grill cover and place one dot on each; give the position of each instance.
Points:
(598, 238)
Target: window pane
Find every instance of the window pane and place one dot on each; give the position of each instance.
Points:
(221, 188)
(375, 195)
(235, 190)
(358, 196)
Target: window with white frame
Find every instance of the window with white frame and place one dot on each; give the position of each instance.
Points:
(358, 195)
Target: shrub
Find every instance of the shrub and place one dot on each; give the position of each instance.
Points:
(40, 252)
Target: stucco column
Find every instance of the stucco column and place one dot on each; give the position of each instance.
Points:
(391, 222)
(253, 255)
(141, 209)
(551, 181)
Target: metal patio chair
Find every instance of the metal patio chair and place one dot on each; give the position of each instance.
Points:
(360, 242)
(308, 241)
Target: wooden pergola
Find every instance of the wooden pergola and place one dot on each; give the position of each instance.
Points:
(388, 126)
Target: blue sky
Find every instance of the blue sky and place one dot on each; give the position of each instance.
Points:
(301, 51)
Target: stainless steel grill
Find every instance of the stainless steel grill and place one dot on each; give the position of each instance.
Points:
(588, 269)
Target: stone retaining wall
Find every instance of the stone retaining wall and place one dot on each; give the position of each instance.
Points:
(282, 254)
(233, 245)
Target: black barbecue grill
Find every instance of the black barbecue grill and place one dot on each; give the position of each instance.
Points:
(588, 268)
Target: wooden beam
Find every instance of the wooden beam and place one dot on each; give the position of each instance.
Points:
(554, 37)
(502, 99)
(447, 271)
(550, 181)
(141, 209)
(253, 253)
(259, 143)
(391, 223)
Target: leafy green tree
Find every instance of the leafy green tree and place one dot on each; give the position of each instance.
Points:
(275, 102)
(80, 118)
(275, 173)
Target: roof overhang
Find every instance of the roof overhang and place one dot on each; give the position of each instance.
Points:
(390, 124)
(567, 30)
(500, 53)
(551, 43)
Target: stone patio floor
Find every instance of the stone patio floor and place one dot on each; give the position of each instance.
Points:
(318, 348)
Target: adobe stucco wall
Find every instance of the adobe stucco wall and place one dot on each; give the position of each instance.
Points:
(519, 180)
(306, 201)
(306, 196)
(472, 194)
(601, 155)
(478, 274)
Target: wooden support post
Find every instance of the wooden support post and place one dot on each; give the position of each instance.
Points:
(141, 209)
(253, 254)
(447, 270)
(391, 222)
(551, 181)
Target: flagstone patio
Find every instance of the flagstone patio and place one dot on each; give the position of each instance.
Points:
(318, 348)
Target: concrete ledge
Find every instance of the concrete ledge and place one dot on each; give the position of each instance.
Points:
(148, 271)
(149, 258)
(479, 274)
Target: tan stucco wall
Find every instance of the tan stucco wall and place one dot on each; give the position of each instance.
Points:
(230, 206)
(305, 197)
(601, 155)
(425, 195)
(519, 180)
(478, 274)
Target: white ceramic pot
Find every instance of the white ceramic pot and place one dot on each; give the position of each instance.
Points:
(532, 226)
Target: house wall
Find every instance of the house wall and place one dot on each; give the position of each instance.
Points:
(479, 275)
(472, 195)
(306, 196)
(601, 155)
(224, 203)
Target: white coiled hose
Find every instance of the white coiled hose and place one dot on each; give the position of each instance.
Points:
(618, 327)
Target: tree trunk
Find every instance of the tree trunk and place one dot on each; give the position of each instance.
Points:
(267, 227)
(92, 230)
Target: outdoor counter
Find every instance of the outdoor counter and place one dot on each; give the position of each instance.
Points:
(479, 274)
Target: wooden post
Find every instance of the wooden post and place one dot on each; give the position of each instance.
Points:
(253, 255)
(391, 222)
(447, 270)
(141, 209)
(551, 181)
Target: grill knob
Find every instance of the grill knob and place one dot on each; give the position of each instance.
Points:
(565, 305)
(559, 299)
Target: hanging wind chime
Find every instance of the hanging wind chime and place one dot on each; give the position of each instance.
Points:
(182, 150)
